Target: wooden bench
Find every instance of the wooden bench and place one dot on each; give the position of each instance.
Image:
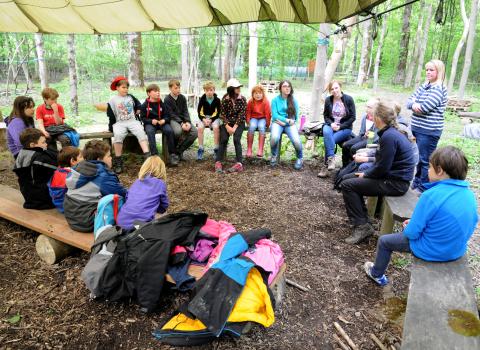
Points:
(440, 294)
(57, 239)
(130, 144)
(469, 115)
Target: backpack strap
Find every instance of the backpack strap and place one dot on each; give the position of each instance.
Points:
(115, 206)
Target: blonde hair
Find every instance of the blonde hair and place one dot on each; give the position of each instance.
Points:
(397, 108)
(385, 111)
(153, 166)
(440, 67)
(209, 85)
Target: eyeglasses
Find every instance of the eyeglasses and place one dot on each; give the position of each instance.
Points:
(286, 86)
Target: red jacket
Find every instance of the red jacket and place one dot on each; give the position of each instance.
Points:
(259, 109)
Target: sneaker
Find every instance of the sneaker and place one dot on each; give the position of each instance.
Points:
(298, 164)
(236, 168)
(273, 161)
(173, 159)
(218, 168)
(215, 152)
(323, 173)
(180, 157)
(360, 232)
(331, 163)
(381, 281)
(200, 154)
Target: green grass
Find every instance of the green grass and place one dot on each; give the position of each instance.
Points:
(401, 261)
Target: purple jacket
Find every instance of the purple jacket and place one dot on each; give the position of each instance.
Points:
(14, 129)
(144, 198)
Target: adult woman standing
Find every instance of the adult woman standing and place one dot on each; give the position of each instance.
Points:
(339, 115)
(20, 119)
(234, 108)
(389, 176)
(284, 114)
(428, 105)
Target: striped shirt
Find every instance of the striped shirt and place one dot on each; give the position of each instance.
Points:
(432, 100)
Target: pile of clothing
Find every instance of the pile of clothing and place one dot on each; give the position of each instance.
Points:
(238, 268)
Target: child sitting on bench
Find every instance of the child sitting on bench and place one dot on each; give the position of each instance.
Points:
(34, 167)
(442, 222)
(90, 180)
(147, 196)
(67, 158)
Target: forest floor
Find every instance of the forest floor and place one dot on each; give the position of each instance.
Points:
(48, 307)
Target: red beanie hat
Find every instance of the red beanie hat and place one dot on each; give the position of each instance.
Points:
(113, 85)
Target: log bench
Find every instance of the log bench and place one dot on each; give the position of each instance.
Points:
(130, 144)
(440, 295)
(57, 239)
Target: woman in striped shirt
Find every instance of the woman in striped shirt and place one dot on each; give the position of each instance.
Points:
(428, 106)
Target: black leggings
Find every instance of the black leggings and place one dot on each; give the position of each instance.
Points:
(237, 138)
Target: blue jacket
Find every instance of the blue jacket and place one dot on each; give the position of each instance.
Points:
(394, 159)
(443, 221)
(279, 109)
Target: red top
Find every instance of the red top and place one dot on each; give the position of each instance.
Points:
(47, 114)
(258, 110)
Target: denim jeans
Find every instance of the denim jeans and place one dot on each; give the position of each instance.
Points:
(167, 132)
(276, 132)
(426, 145)
(394, 242)
(260, 124)
(330, 138)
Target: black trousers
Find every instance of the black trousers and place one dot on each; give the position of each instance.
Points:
(237, 138)
(167, 132)
(354, 189)
(350, 147)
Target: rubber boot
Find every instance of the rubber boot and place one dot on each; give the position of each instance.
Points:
(261, 143)
(249, 145)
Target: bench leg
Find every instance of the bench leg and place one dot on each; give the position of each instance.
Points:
(165, 149)
(372, 206)
(50, 250)
(387, 220)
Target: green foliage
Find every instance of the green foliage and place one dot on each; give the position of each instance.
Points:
(14, 319)
(401, 261)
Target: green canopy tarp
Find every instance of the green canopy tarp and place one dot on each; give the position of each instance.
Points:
(115, 16)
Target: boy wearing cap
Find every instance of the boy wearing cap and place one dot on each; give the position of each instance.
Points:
(234, 110)
(176, 104)
(122, 110)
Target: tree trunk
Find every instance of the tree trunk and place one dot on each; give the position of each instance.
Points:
(184, 38)
(353, 63)
(414, 56)
(135, 66)
(235, 38)
(24, 62)
(193, 56)
(378, 55)
(316, 107)
(42, 67)
(423, 44)
(252, 55)
(366, 43)
(338, 50)
(403, 54)
(458, 49)
(227, 56)
(469, 49)
(219, 43)
(72, 73)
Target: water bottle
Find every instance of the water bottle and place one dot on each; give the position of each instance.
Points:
(303, 119)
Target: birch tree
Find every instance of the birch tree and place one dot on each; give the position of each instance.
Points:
(403, 54)
(378, 55)
(316, 107)
(366, 45)
(72, 73)
(414, 56)
(184, 38)
(469, 48)
(24, 61)
(252, 55)
(458, 49)
(135, 66)
(42, 67)
(423, 44)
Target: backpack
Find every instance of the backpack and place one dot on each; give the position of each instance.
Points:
(312, 129)
(107, 211)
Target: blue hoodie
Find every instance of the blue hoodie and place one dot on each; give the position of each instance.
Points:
(443, 221)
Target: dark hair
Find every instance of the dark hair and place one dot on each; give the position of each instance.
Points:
(95, 149)
(122, 82)
(29, 136)
(451, 160)
(231, 92)
(66, 155)
(291, 112)
(152, 87)
(18, 111)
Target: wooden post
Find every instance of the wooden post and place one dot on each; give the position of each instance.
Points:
(3, 137)
(387, 219)
(372, 206)
(165, 151)
(50, 250)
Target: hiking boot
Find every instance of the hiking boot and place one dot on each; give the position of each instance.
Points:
(218, 168)
(117, 165)
(323, 173)
(381, 281)
(200, 154)
(180, 157)
(273, 161)
(215, 152)
(146, 155)
(360, 232)
(331, 163)
(298, 164)
(173, 161)
(236, 168)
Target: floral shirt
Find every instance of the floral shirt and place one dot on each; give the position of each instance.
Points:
(233, 113)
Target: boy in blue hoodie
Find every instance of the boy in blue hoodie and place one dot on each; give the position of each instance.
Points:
(442, 222)
(90, 180)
